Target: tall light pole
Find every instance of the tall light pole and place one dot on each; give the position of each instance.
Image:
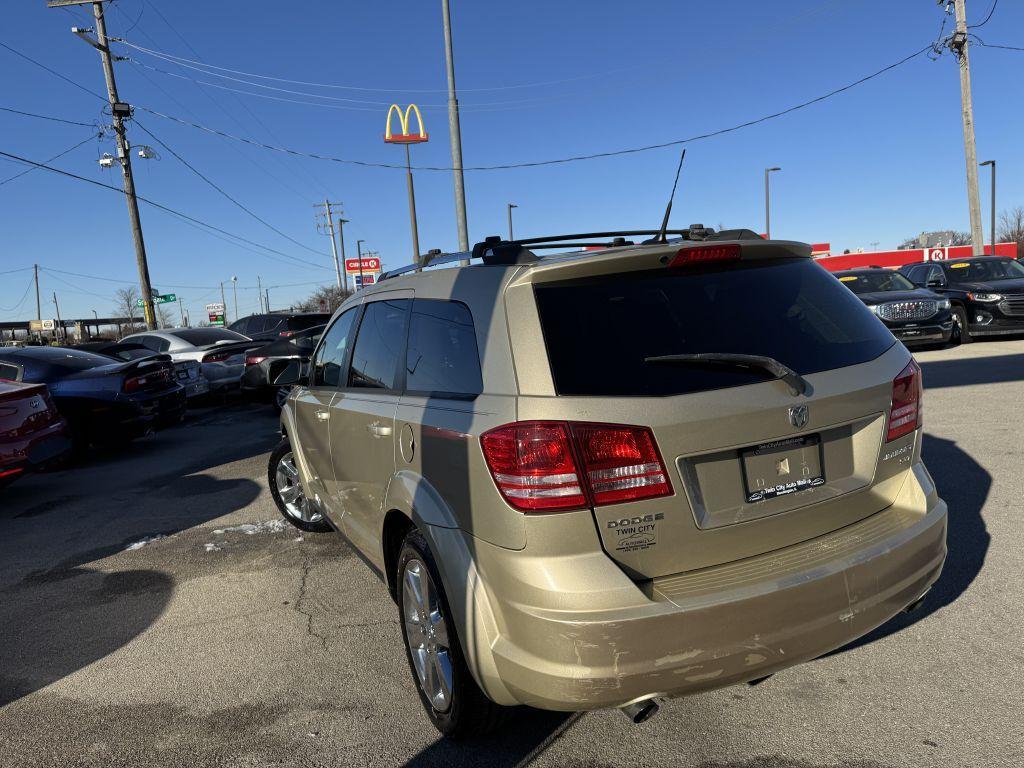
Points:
(407, 138)
(993, 164)
(510, 207)
(341, 238)
(359, 253)
(768, 202)
(328, 228)
(958, 44)
(456, 134)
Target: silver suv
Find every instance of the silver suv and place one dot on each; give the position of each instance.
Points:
(603, 477)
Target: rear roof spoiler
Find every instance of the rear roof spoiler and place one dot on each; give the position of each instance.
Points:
(496, 251)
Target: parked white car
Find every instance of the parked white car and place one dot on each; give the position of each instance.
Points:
(220, 352)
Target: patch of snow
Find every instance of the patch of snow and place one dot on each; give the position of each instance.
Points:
(299, 538)
(249, 529)
(143, 542)
(210, 547)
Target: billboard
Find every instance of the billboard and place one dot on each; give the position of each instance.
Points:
(216, 313)
(896, 259)
(370, 264)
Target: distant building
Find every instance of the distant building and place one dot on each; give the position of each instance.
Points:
(942, 239)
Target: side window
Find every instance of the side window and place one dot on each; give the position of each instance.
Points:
(935, 276)
(241, 326)
(442, 356)
(331, 355)
(916, 274)
(266, 324)
(380, 345)
(8, 372)
(154, 343)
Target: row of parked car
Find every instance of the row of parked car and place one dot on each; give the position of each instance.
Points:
(944, 302)
(60, 401)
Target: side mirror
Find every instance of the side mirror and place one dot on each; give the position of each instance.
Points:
(288, 372)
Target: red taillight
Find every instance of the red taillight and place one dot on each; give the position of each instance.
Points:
(536, 464)
(286, 334)
(620, 463)
(135, 383)
(10, 472)
(533, 466)
(254, 360)
(905, 414)
(216, 357)
(705, 254)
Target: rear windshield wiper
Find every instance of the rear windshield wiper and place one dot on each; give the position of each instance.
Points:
(797, 383)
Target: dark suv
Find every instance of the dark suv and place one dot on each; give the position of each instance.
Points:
(987, 292)
(914, 315)
(278, 325)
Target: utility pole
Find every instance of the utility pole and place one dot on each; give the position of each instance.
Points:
(992, 163)
(259, 292)
(510, 207)
(60, 324)
(341, 238)
(223, 302)
(266, 293)
(359, 252)
(181, 310)
(39, 311)
(958, 44)
(455, 132)
(234, 290)
(768, 203)
(329, 226)
(120, 111)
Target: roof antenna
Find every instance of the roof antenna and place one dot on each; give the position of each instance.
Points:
(668, 210)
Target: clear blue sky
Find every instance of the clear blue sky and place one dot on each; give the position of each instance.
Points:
(877, 164)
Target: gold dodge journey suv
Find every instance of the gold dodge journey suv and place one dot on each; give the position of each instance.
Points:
(594, 473)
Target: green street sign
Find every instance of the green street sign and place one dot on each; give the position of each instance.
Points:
(165, 299)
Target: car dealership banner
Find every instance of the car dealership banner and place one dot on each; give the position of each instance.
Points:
(896, 259)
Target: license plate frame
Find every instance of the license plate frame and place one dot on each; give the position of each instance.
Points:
(782, 467)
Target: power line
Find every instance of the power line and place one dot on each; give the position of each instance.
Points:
(53, 72)
(50, 160)
(291, 91)
(155, 204)
(183, 60)
(47, 117)
(207, 180)
(990, 12)
(558, 161)
(983, 44)
(24, 296)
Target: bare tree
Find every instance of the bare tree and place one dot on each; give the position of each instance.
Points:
(959, 238)
(125, 302)
(1011, 228)
(326, 298)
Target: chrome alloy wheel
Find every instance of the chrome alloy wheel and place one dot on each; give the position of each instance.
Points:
(427, 634)
(293, 497)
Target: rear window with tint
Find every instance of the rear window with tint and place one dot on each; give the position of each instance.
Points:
(599, 330)
(302, 322)
(200, 337)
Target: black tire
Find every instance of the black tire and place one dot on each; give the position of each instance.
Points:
(469, 713)
(317, 524)
(960, 323)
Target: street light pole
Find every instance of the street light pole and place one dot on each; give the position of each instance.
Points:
(341, 239)
(359, 253)
(455, 132)
(768, 203)
(993, 164)
(234, 289)
(510, 207)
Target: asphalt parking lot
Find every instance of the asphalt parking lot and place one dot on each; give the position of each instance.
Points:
(155, 611)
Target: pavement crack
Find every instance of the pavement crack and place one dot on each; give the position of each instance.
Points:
(300, 601)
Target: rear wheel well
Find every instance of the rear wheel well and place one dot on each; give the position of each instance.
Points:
(396, 526)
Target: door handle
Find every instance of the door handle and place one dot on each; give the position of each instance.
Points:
(379, 430)
(323, 415)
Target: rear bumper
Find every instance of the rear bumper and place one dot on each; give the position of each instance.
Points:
(46, 447)
(137, 414)
(721, 625)
(223, 377)
(938, 333)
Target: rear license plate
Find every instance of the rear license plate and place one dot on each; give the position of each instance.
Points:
(782, 467)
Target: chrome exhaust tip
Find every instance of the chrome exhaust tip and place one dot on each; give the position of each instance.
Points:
(642, 710)
(918, 602)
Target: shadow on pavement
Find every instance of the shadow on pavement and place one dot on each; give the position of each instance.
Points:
(964, 485)
(521, 741)
(58, 614)
(968, 371)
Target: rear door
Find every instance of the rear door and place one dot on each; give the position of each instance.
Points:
(362, 418)
(753, 466)
(312, 406)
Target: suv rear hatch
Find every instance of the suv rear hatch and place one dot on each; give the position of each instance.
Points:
(753, 464)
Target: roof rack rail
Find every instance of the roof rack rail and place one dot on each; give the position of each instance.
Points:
(496, 250)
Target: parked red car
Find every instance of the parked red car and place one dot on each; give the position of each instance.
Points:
(33, 434)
